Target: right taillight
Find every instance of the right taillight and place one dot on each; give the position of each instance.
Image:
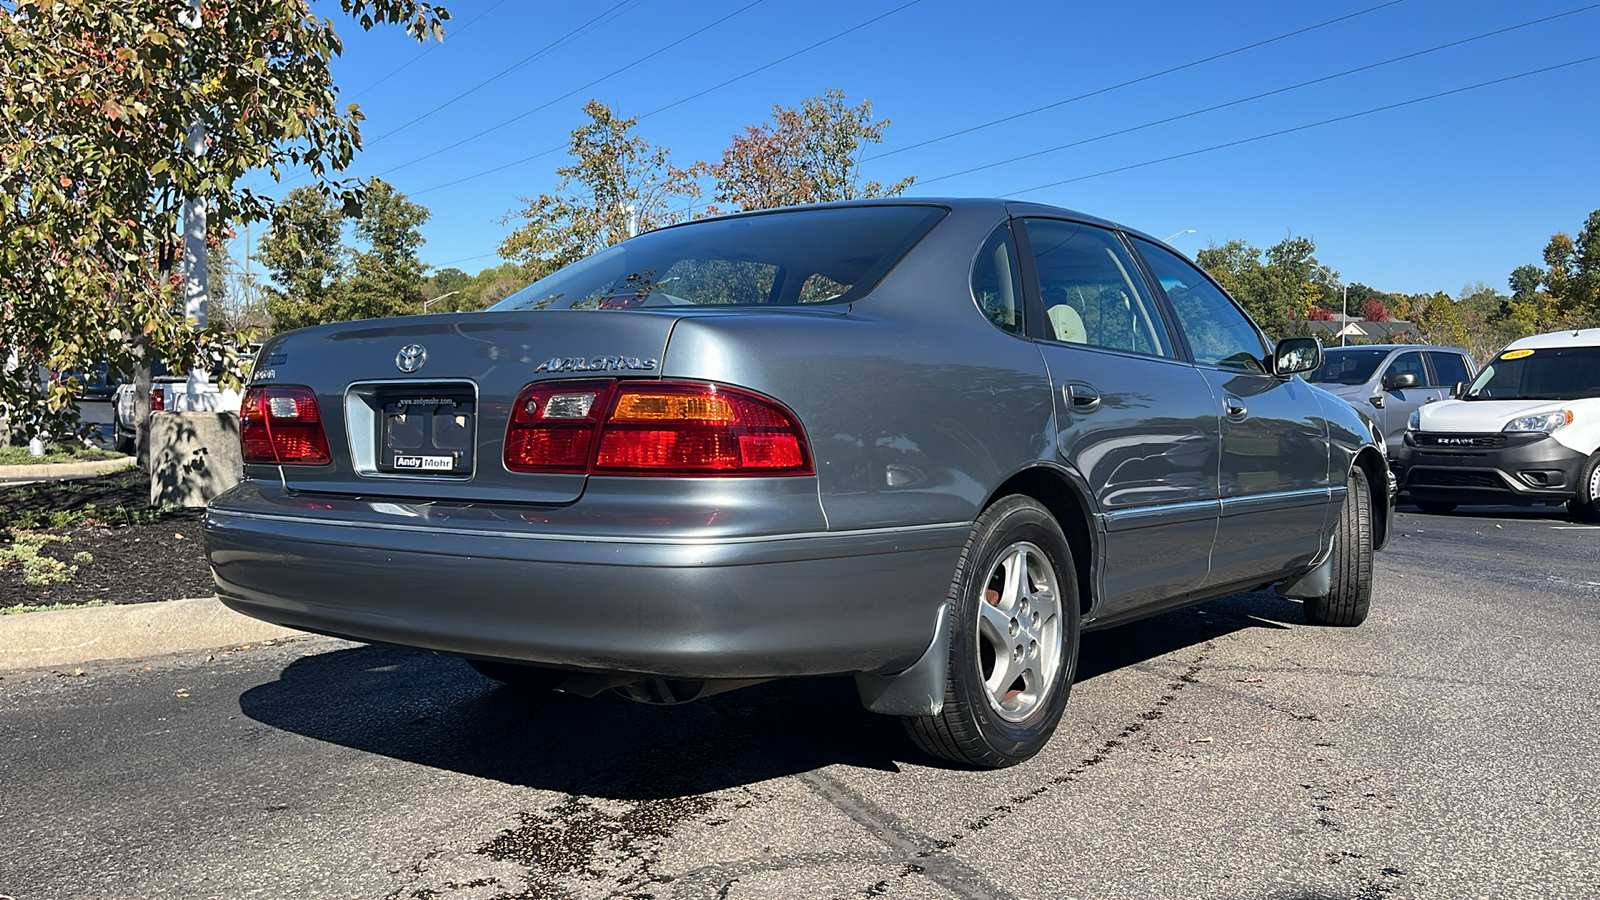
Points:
(158, 400)
(281, 425)
(652, 428)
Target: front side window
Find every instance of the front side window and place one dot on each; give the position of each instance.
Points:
(786, 258)
(1092, 291)
(1219, 332)
(1346, 366)
(1409, 363)
(1547, 373)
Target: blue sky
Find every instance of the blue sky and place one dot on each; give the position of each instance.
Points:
(1428, 196)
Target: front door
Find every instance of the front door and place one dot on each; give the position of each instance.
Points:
(1132, 416)
(1274, 481)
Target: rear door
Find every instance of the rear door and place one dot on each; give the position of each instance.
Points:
(1135, 418)
(1274, 481)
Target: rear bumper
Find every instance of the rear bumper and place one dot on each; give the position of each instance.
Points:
(1523, 469)
(727, 607)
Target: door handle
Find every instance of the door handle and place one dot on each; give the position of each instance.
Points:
(1081, 398)
(1430, 400)
(1236, 410)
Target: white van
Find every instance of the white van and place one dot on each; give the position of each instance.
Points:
(1526, 430)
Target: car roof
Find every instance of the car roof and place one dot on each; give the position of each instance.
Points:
(1397, 347)
(955, 204)
(1581, 337)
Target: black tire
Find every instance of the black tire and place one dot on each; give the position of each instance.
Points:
(122, 443)
(1434, 507)
(998, 725)
(1350, 598)
(1586, 506)
(519, 677)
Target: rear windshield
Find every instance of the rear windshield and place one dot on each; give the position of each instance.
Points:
(774, 259)
(1554, 373)
(1347, 366)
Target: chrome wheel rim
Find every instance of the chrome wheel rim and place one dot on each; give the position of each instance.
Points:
(1019, 631)
(1594, 487)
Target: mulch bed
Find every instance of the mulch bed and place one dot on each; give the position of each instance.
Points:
(137, 557)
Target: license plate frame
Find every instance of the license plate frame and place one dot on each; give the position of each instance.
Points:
(427, 433)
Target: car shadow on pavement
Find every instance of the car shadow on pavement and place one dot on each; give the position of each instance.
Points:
(435, 711)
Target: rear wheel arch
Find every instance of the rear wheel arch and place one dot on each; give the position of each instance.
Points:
(1067, 503)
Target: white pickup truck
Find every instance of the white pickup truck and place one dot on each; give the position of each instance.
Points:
(171, 393)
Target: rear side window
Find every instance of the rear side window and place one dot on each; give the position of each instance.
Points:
(1448, 369)
(788, 258)
(995, 283)
(1092, 291)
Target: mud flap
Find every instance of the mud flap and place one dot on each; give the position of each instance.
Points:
(919, 690)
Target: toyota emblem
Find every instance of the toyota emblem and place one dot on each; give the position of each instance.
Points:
(411, 357)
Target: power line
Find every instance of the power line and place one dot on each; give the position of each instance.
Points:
(506, 71)
(542, 153)
(585, 87)
(1142, 78)
(1335, 119)
(1253, 97)
(430, 48)
(783, 59)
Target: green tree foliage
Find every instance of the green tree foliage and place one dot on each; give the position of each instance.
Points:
(321, 279)
(1572, 277)
(1274, 286)
(616, 183)
(806, 155)
(1439, 320)
(455, 290)
(304, 252)
(99, 98)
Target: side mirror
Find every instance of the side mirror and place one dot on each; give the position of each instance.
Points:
(1458, 389)
(1396, 381)
(1295, 355)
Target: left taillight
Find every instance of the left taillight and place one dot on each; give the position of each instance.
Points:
(281, 425)
(652, 428)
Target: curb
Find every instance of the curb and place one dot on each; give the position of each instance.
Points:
(137, 630)
(45, 471)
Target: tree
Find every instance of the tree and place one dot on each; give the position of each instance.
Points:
(386, 278)
(304, 252)
(618, 184)
(1274, 286)
(1373, 310)
(1572, 277)
(1439, 320)
(806, 155)
(99, 99)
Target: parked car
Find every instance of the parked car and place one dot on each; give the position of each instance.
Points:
(169, 392)
(97, 382)
(1526, 430)
(1390, 381)
(923, 443)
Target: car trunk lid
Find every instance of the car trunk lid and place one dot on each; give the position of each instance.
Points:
(417, 407)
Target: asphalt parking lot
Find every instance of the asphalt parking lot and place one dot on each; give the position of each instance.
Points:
(1444, 749)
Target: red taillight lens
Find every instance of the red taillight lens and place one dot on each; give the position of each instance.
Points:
(282, 425)
(651, 428)
(552, 426)
(158, 400)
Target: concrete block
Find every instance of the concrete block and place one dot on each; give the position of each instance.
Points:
(194, 457)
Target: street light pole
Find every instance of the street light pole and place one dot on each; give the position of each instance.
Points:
(1344, 301)
(1178, 234)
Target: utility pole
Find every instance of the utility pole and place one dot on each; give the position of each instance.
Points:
(195, 297)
